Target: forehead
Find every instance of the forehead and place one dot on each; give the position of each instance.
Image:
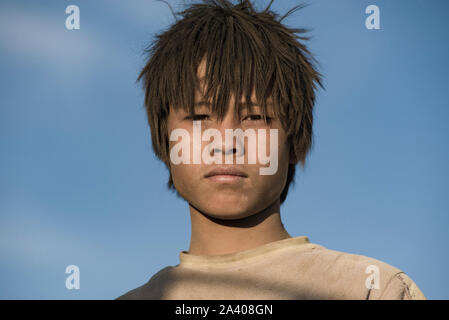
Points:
(200, 92)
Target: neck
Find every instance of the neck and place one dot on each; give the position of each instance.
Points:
(212, 236)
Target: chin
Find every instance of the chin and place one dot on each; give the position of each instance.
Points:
(228, 215)
(227, 210)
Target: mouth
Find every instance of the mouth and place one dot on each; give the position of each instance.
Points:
(227, 175)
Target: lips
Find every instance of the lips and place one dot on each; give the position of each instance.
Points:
(226, 176)
(226, 171)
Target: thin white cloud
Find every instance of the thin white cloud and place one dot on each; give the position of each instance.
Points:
(25, 237)
(40, 36)
(36, 37)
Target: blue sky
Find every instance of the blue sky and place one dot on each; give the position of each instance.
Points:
(79, 183)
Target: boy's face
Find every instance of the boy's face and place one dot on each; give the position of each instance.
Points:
(229, 196)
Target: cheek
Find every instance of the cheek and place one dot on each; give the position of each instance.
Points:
(185, 179)
(275, 183)
(178, 171)
(185, 176)
(274, 149)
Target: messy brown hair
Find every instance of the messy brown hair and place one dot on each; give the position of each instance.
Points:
(244, 50)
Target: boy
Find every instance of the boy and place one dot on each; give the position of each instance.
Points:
(221, 74)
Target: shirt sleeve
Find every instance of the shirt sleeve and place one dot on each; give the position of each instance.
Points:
(402, 287)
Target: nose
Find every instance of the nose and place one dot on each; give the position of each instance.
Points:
(226, 128)
(228, 150)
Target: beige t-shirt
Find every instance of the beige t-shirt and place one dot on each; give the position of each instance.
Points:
(289, 269)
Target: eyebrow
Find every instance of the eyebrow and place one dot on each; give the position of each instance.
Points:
(207, 103)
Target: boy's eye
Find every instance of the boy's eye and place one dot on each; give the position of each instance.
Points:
(197, 117)
(253, 117)
(256, 117)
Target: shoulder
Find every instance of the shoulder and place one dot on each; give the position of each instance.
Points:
(351, 263)
(366, 275)
(402, 287)
(153, 289)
